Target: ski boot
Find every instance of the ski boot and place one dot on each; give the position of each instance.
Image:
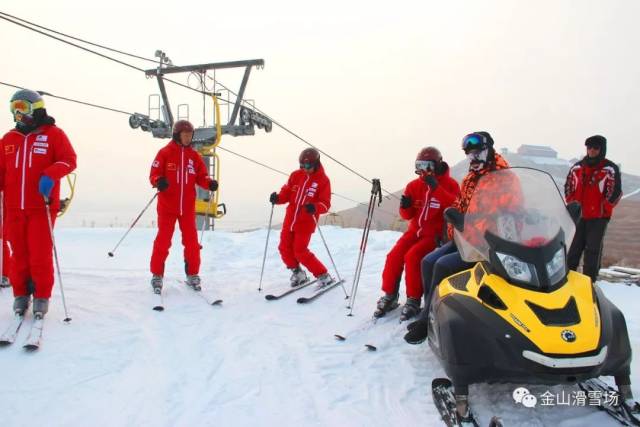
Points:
(410, 309)
(324, 280)
(386, 303)
(193, 281)
(156, 284)
(4, 283)
(418, 331)
(21, 304)
(298, 277)
(40, 307)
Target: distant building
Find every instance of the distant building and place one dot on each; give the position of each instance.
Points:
(537, 151)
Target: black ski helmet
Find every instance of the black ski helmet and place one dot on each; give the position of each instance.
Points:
(26, 106)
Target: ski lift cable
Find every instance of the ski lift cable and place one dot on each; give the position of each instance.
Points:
(41, 92)
(94, 52)
(115, 110)
(155, 61)
(286, 174)
(12, 19)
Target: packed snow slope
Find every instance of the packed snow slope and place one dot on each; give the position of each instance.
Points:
(249, 362)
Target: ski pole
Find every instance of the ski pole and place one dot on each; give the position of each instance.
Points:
(376, 191)
(359, 263)
(266, 245)
(67, 319)
(134, 223)
(330, 257)
(206, 217)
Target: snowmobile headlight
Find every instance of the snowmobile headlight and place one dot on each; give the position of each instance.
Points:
(556, 267)
(516, 269)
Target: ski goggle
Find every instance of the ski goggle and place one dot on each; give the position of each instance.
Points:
(594, 146)
(425, 165)
(23, 107)
(473, 141)
(307, 166)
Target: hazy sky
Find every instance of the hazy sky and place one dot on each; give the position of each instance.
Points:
(369, 82)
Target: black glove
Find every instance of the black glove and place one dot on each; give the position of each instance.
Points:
(405, 202)
(311, 208)
(431, 181)
(273, 198)
(213, 185)
(162, 183)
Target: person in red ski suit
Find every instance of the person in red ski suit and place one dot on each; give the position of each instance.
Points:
(308, 194)
(423, 203)
(595, 182)
(33, 158)
(175, 171)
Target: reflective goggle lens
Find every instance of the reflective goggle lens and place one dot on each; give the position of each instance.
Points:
(472, 142)
(20, 106)
(306, 165)
(425, 165)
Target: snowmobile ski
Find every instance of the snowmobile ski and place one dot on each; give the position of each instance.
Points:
(445, 401)
(319, 292)
(271, 297)
(9, 336)
(34, 340)
(623, 412)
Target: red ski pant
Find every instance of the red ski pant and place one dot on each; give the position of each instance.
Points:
(294, 251)
(166, 226)
(28, 234)
(406, 255)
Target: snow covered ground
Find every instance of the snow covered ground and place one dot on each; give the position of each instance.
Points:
(247, 363)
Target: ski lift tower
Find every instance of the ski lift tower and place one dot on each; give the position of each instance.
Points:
(241, 120)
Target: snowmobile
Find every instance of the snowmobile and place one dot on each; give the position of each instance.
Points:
(519, 315)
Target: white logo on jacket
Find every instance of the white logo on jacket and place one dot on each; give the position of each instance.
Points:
(42, 137)
(155, 164)
(41, 144)
(39, 150)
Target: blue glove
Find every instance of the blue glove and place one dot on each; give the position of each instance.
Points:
(45, 186)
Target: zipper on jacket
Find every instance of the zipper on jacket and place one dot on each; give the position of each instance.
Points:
(30, 157)
(24, 167)
(299, 199)
(423, 214)
(181, 181)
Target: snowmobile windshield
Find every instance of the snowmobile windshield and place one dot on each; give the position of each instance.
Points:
(520, 206)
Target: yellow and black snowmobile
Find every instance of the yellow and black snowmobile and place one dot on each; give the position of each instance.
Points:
(519, 315)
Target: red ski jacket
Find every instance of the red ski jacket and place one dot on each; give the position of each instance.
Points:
(183, 168)
(26, 158)
(597, 188)
(427, 207)
(302, 189)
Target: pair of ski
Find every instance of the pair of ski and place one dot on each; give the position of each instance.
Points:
(304, 300)
(159, 304)
(368, 325)
(626, 413)
(34, 339)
